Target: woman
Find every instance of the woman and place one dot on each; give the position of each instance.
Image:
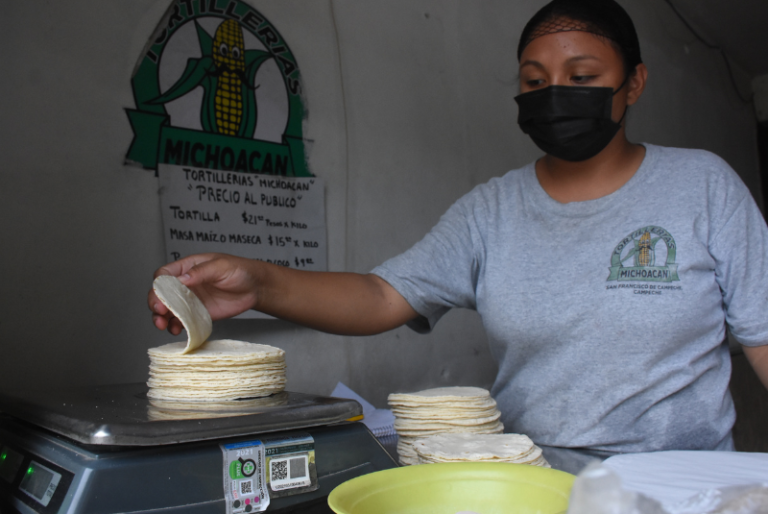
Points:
(604, 272)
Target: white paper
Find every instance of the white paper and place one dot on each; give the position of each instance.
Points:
(379, 421)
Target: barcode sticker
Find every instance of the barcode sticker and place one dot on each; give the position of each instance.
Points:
(290, 464)
(289, 472)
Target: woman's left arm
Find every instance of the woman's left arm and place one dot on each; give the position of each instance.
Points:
(758, 358)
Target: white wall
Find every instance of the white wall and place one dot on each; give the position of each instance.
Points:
(411, 103)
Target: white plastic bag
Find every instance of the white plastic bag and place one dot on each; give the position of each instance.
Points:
(748, 499)
(598, 490)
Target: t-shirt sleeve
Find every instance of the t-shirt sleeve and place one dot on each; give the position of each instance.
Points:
(740, 248)
(440, 271)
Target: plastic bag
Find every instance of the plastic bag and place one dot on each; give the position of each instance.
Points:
(598, 490)
(748, 499)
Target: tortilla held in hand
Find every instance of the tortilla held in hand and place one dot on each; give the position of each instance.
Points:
(187, 307)
(208, 371)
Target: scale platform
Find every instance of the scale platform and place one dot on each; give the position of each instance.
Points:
(110, 449)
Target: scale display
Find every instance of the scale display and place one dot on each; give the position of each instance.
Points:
(40, 483)
(33, 483)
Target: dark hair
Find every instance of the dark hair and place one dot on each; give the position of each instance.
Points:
(603, 18)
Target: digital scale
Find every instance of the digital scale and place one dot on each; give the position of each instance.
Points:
(110, 449)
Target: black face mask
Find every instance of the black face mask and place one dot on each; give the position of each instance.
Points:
(572, 123)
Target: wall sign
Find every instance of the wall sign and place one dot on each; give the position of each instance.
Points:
(218, 88)
(219, 116)
(265, 217)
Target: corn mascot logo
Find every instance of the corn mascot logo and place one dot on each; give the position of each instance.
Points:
(642, 249)
(218, 88)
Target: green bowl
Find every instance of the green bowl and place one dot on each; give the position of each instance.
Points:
(484, 488)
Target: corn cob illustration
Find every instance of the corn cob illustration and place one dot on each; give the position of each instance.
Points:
(228, 56)
(645, 253)
(226, 72)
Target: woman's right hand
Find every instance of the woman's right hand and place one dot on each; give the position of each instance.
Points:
(339, 303)
(224, 283)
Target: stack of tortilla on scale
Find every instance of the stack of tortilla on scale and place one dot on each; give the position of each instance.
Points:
(210, 371)
(514, 448)
(468, 410)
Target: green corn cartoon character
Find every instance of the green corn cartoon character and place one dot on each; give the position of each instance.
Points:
(226, 73)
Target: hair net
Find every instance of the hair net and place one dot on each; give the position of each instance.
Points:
(603, 18)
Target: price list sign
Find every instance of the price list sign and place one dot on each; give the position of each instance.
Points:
(271, 218)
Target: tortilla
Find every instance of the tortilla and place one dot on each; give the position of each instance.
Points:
(512, 448)
(214, 382)
(411, 423)
(185, 393)
(439, 395)
(187, 307)
(221, 352)
(425, 412)
(474, 446)
(497, 427)
(233, 368)
(220, 376)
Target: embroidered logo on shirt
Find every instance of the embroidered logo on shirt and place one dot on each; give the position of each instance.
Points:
(640, 248)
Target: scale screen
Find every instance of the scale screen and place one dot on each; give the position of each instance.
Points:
(40, 483)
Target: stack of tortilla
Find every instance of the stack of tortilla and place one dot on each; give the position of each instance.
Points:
(200, 370)
(514, 448)
(469, 410)
(217, 370)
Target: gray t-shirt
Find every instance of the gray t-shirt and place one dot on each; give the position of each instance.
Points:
(607, 317)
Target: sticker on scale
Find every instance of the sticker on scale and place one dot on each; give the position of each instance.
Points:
(290, 462)
(245, 487)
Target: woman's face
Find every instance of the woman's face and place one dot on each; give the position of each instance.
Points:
(574, 59)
